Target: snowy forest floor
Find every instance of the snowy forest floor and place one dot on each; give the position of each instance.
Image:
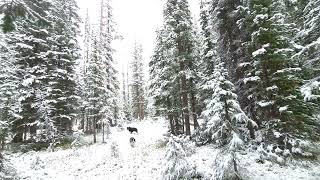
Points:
(141, 162)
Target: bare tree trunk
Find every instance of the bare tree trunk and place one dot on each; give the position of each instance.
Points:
(170, 116)
(179, 128)
(94, 123)
(185, 104)
(88, 127)
(193, 106)
(25, 131)
(94, 130)
(83, 118)
(102, 132)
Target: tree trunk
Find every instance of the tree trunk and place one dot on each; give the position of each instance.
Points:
(88, 126)
(185, 104)
(179, 128)
(193, 106)
(170, 116)
(25, 131)
(83, 119)
(94, 130)
(102, 132)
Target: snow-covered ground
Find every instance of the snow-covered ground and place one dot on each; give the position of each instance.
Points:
(95, 161)
(141, 162)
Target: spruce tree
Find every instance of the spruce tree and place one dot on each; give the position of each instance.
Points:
(96, 87)
(8, 89)
(175, 58)
(275, 78)
(223, 115)
(106, 35)
(162, 69)
(138, 96)
(176, 165)
(30, 41)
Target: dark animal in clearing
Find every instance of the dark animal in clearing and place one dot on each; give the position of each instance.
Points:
(132, 129)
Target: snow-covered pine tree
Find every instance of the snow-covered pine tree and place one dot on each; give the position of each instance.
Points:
(173, 60)
(96, 87)
(8, 88)
(275, 78)
(227, 14)
(30, 42)
(47, 131)
(175, 165)
(209, 54)
(163, 82)
(225, 124)
(178, 21)
(137, 90)
(223, 114)
(308, 55)
(82, 66)
(106, 34)
(126, 109)
(65, 52)
(44, 41)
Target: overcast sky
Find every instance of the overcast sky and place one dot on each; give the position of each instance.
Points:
(137, 20)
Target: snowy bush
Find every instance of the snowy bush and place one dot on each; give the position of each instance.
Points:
(175, 165)
(283, 147)
(226, 165)
(188, 146)
(114, 150)
(78, 140)
(161, 143)
(37, 163)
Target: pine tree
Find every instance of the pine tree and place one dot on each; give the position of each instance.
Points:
(81, 77)
(223, 115)
(62, 65)
(174, 59)
(8, 89)
(44, 42)
(275, 78)
(164, 84)
(106, 30)
(209, 55)
(138, 96)
(308, 40)
(30, 42)
(175, 165)
(229, 40)
(96, 87)
(225, 124)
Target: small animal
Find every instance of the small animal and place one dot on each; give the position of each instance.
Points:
(132, 129)
(132, 141)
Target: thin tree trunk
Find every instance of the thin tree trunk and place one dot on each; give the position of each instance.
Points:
(170, 116)
(179, 128)
(185, 104)
(25, 131)
(94, 130)
(193, 106)
(83, 118)
(102, 132)
(88, 127)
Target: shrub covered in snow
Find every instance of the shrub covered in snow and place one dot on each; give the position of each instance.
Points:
(114, 150)
(225, 167)
(175, 165)
(226, 164)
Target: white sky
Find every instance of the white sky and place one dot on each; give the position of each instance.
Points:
(136, 20)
